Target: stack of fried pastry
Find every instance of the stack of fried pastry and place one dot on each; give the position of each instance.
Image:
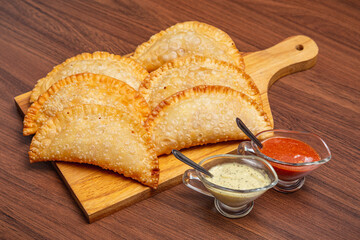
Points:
(93, 118)
(107, 110)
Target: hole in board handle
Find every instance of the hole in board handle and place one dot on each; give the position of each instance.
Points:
(299, 47)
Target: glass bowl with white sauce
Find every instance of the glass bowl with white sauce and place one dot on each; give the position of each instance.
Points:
(237, 181)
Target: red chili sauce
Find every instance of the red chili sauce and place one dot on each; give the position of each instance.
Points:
(291, 151)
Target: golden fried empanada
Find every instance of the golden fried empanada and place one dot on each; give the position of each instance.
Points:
(201, 115)
(187, 38)
(187, 72)
(98, 135)
(121, 68)
(85, 88)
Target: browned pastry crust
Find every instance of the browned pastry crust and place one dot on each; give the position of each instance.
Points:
(201, 115)
(98, 135)
(82, 89)
(187, 72)
(121, 68)
(185, 38)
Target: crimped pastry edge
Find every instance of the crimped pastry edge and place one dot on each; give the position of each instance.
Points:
(30, 125)
(155, 115)
(205, 28)
(138, 69)
(155, 75)
(84, 110)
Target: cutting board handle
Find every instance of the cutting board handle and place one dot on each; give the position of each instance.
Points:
(294, 54)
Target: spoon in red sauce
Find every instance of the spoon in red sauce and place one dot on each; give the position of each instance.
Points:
(248, 133)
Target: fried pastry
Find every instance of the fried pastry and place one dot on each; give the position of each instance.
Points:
(98, 135)
(121, 68)
(187, 38)
(85, 88)
(187, 72)
(201, 115)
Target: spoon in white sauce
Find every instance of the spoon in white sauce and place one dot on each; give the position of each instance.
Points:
(190, 162)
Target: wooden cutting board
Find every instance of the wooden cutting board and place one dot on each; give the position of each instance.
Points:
(100, 193)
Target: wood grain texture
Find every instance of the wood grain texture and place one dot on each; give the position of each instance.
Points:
(100, 193)
(35, 35)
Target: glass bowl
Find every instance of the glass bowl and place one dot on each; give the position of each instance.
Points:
(291, 175)
(231, 203)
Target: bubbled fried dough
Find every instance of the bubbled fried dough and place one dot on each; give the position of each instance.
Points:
(121, 68)
(187, 72)
(85, 88)
(201, 115)
(98, 135)
(187, 38)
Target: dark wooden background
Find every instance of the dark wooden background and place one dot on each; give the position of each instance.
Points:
(36, 35)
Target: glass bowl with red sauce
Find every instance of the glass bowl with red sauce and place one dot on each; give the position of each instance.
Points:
(292, 154)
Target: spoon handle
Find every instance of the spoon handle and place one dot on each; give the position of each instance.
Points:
(248, 133)
(189, 162)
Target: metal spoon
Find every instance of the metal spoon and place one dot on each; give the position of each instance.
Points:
(189, 162)
(248, 133)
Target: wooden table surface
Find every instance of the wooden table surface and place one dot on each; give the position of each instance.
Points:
(37, 35)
